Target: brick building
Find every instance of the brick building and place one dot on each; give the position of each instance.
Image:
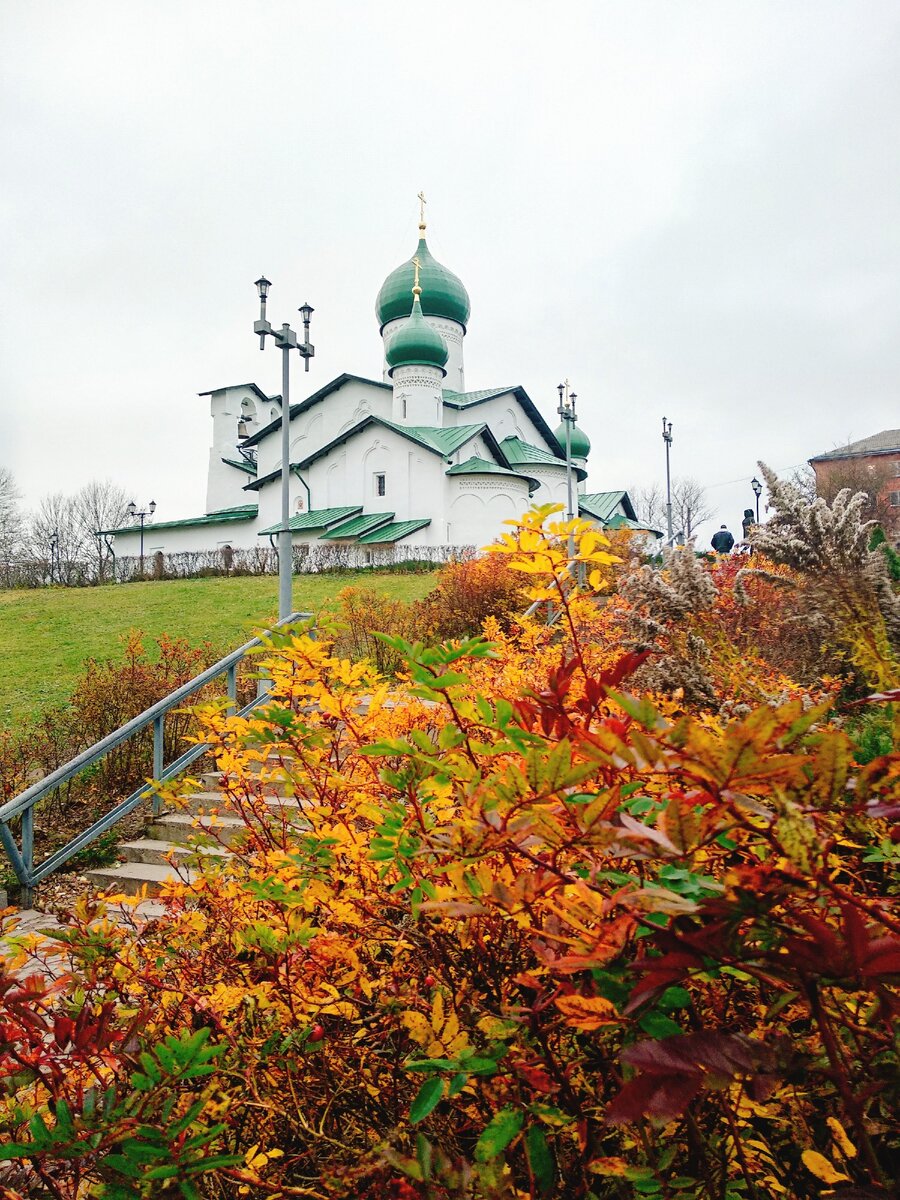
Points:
(872, 465)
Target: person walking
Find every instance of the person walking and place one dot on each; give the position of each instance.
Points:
(722, 541)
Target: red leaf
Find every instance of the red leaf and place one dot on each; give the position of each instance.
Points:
(664, 1097)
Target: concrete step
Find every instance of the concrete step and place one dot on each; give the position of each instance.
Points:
(158, 851)
(207, 802)
(179, 827)
(130, 877)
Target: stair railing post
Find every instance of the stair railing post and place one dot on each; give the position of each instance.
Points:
(159, 728)
(28, 852)
(232, 684)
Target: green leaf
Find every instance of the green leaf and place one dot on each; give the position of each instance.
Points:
(658, 1025)
(428, 1097)
(498, 1134)
(540, 1159)
(423, 1154)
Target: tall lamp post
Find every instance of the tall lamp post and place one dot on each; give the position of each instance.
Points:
(285, 341)
(667, 438)
(566, 411)
(757, 492)
(54, 545)
(134, 514)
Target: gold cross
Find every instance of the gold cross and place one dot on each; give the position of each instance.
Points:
(422, 210)
(416, 265)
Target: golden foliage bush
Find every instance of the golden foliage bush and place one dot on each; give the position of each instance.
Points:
(524, 934)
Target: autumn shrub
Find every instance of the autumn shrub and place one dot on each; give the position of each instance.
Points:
(843, 584)
(467, 592)
(363, 615)
(527, 934)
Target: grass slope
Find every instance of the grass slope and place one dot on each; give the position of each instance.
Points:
(46, 634)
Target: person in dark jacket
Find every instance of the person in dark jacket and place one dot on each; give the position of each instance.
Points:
(722, 541)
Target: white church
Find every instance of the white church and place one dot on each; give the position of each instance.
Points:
(409, 460)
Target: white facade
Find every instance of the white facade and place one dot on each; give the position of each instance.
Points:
(382, 447)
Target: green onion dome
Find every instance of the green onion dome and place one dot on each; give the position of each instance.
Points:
(416, 344)
(581, 443)
(443, 295)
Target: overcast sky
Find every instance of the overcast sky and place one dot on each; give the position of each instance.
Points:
(690, 209)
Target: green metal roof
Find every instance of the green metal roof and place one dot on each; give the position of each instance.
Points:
(316, 518)
(433, 438)
(481, 466)
(602, 505)
(245, 512)
(416, 343)
(620, 522)
(357, 526)
(443, 294)
(242, 465)
(522, 454)
(393, 532)
(436, 437)
(463, 400)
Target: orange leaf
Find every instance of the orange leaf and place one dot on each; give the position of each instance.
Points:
(587, 1012)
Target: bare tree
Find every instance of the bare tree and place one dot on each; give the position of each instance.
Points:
(57, 538)
(10, 524)
(100, 504)
(650, 504)
(690, 506)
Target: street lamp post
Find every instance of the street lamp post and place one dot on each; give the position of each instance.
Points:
(285, 341)
(566, 410)
(54, 545)
(142, 516)
(667, 438)
(757, 492)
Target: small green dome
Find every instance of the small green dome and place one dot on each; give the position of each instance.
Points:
(581, 443)
(416, 344)
(443, 295)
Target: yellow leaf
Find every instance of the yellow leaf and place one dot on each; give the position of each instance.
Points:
(819, 1166)
(437, 1012)
(608, 1166)
(839, 1133)
(418, 1026)
(587, 1012)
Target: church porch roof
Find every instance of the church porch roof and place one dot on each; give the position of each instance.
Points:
(357, 526)
(394, 532)
(244, 512)
(601, 506)
(316, 518)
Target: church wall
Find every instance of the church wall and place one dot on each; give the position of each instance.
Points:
(228, 407)
(237, 534)
(325, 421)
(552, 481)
(478, 505)
(347, 475)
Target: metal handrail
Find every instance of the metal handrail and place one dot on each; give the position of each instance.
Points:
(22, 860)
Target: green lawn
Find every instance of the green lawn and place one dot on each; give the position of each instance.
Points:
(46, 634)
